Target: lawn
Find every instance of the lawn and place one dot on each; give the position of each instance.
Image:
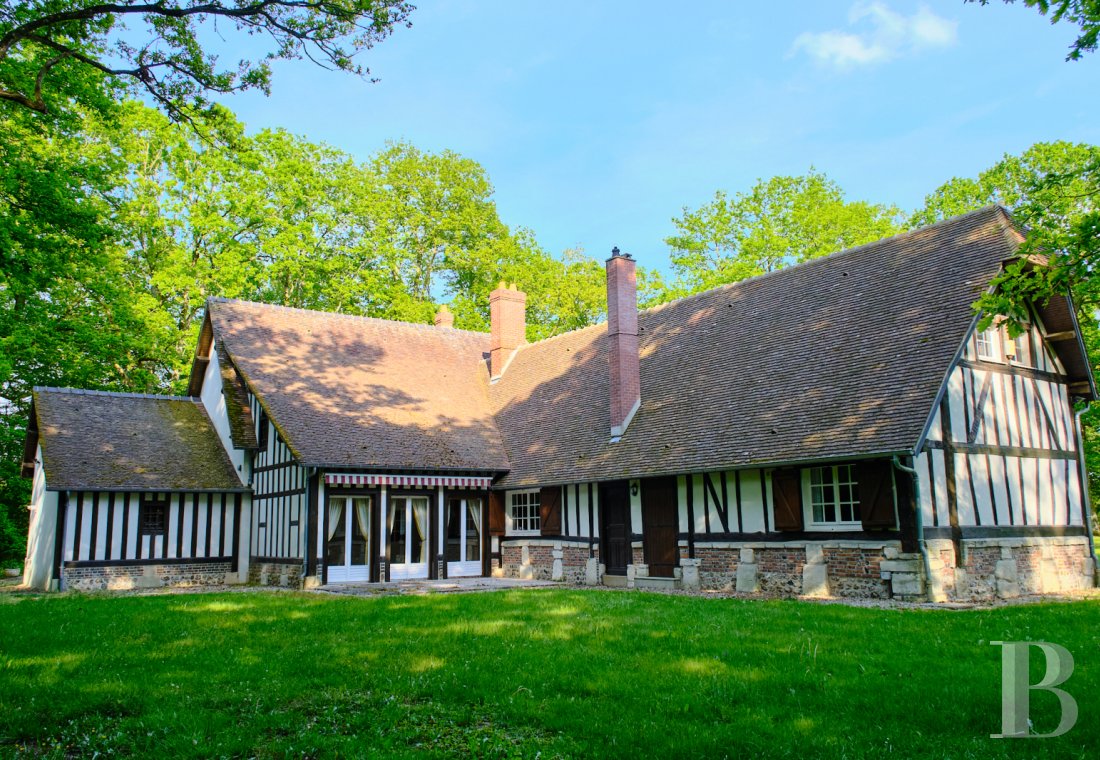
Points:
(519, 673)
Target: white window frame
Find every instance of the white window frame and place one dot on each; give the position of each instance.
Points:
(808, 506)
(533, 502)
(992, 338)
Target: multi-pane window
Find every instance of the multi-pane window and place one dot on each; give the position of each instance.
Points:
(987, 344)
(152, 518)
(524, 509)
(834, 498)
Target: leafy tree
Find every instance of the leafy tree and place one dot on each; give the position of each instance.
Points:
(65, 313)
(1053, 190)
(779, 222)
(1084, 13)
(157, 45)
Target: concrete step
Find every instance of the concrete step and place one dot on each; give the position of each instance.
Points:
(615, 581)
(664, 584)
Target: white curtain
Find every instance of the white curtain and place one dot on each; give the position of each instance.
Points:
(474, 506)
(362, 511)
(420, 519)
(390, 512)
(335, 515)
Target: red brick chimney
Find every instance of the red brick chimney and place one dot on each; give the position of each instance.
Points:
(622, 341)
(508, 325)
(444, 317)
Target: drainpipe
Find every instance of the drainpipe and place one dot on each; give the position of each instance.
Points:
(920, 522)
(1082, 468)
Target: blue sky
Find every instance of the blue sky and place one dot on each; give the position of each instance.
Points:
(599, 121)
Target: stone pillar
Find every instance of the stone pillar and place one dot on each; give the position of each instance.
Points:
(1048, 571)
(748, 581)
(631, 574)
(815, 573)
(592, 572)
(1005, 575)
(905, 573)
(937, 591)
(557, 574)
(525, 570)
(691, 574)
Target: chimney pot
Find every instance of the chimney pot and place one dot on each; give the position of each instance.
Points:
(507, 325)
(444, 317)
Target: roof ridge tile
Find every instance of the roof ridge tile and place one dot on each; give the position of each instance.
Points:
(115, 394)
(434, 329)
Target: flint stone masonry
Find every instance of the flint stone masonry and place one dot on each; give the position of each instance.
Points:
(127, 577)
(282, 574)
(987, 569)
(545, 559)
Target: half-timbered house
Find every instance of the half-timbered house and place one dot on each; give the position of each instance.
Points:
(838, 427)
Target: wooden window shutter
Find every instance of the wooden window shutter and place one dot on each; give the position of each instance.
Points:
(876, 495)
(550, 511)
(787, 498)
(496, 513)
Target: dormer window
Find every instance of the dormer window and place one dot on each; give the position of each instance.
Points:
(988, 345)
(261, 437)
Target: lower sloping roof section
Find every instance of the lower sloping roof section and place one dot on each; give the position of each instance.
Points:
(838, 358)
(98, 441)
(362, 393)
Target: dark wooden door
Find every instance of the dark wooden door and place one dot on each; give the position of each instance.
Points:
(660, 525)
(615, 527)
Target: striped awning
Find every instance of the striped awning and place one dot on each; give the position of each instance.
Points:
(408, 481)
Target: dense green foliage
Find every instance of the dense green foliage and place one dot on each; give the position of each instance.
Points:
(780, 221)
(1085, 14)
(117, 223)
(514, 674)
(1053, 191)
(163, 47)
(116, 229)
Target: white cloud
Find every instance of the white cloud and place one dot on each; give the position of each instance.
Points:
(891, 35)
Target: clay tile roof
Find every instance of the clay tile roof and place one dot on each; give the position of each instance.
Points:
(838, 357)
(358, 392)
(242, 428)
(93, 440)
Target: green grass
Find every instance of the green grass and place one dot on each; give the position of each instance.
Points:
(520, 673)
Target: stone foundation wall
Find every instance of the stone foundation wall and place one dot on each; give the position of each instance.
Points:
(283, 574)
(717, 568)
(546, 559)
(127, 577)
(813, 568)
(856, 572)
(1003, 568)
(780, 570)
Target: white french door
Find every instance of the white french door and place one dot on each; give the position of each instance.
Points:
(464, 541)
(407, 528)
(347, 548)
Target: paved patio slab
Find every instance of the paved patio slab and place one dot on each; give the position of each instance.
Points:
(439, 586)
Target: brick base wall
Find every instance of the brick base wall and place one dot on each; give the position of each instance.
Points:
(856, 572)
(845, 569)
(128, 577)
(987, 569)
(717, 568)
(283, 574)
(781, 570)
(546, 560)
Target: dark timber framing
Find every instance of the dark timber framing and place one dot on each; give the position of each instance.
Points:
(107, 528)
(281, 495)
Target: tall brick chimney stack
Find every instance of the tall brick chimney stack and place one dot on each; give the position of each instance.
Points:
(444, 317)
(622, 341)
(508, 325)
